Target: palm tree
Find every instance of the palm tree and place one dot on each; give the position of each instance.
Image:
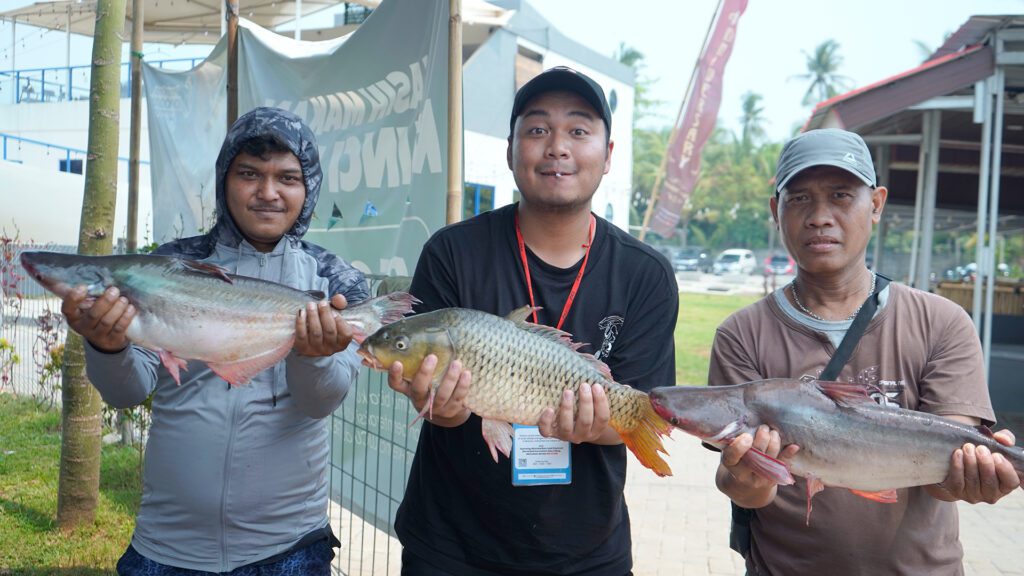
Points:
(643, 104)
(924, 50)
(752, 120)
(821, 71)
(81, 421)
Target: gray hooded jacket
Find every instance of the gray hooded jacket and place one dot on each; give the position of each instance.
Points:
(236, 475)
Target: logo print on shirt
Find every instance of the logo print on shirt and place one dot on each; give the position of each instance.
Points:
(883, 392)
(889, 393)
(610, 326)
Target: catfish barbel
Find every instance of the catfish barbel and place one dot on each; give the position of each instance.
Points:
(846, 439)
(519, 369)
(189, 310)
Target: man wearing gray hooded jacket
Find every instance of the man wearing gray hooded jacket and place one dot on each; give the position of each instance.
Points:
(235, 478)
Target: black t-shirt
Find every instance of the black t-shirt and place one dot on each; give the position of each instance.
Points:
(461, 511)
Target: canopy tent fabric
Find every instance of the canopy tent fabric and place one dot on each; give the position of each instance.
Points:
(166, 21)
(199, 21)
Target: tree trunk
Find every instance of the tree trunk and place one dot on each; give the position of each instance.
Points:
(81, 424)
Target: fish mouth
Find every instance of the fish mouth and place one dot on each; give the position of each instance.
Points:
(29, 266)
(368, 358)
(662, 410)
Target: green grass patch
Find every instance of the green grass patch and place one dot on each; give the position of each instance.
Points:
(699, 316)
(30, 542)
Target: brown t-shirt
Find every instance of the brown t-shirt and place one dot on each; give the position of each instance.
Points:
(924, 354)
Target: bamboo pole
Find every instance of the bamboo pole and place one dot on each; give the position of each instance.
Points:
(455, 185)
(135, 134)
(231, 8)
(675, 126)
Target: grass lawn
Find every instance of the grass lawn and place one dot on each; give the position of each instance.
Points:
(699, 315)
(30, 542)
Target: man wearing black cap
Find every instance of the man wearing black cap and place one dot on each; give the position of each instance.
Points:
(917, 351)
(463, 513)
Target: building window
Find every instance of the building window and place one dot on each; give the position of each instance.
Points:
(355, 14)
(476, 199)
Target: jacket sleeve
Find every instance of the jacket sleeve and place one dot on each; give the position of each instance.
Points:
(319, 385)
(124, 379)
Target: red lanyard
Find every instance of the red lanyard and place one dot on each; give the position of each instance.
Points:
(575, 284)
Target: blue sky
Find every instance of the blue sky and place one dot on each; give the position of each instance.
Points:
(876, 39)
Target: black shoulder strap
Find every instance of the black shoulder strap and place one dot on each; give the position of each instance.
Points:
(739, 533)
(856, 330)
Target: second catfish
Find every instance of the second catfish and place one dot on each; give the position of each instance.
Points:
(519, 369)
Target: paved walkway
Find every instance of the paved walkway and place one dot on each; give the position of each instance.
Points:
(681, 523)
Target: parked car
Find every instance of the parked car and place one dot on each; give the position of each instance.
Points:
(779, 264)
(734, 261)
(665, 251)
(692, 259)
(969, 272)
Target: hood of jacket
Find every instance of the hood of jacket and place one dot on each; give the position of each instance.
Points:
(293, 133)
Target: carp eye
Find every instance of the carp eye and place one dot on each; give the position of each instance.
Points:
(401, 343)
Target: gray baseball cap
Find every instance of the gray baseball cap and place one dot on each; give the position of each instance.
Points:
(825, 147)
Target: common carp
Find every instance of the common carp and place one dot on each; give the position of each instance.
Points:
(519, 369)
(846, 439)
(189, 310)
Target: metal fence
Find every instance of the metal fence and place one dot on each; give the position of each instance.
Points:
(30, 326)
(63, 83)
(372, 443)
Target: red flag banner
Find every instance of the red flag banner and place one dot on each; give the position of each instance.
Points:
(695, 125)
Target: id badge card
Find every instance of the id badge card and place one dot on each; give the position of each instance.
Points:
(537, 460)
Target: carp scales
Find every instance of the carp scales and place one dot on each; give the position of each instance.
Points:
(518, 369)
(189, 310)
(846, 439)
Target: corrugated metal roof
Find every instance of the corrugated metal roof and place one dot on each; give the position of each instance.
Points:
(974, 32)
(936, 77)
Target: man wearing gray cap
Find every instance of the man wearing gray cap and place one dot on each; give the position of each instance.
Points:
(919, 351)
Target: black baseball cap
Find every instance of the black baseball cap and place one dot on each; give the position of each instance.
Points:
(565, 79)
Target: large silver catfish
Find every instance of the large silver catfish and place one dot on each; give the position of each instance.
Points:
(846, 439)
(188, 310)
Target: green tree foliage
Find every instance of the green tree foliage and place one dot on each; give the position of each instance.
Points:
(648, 145)
(648, 150)
(729, 206)
(752, 120)
(643, 104)
(822, 72)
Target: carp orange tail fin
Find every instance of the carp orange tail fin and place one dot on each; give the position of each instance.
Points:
(644, 440)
